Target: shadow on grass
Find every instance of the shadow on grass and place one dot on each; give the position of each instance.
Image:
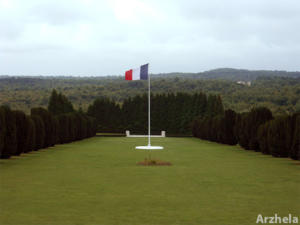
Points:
(31, 154)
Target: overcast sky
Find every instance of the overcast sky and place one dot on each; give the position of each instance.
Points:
(98, 37)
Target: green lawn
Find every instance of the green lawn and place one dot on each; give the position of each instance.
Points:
(97, 181)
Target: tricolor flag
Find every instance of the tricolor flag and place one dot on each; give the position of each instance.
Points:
(140, 73)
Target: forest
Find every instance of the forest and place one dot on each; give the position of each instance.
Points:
(277, 90)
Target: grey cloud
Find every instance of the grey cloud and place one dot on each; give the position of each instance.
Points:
(97, 37)
(10, 30)
(33, 48)
(58, 13)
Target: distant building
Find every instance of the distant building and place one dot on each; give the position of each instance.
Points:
(248, 83)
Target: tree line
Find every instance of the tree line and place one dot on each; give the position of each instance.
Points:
(279, 94)
(256, 130)
(21, 133)
(171, 112)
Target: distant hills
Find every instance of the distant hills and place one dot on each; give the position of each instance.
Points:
(221, 73)
(232, 74)
(240, 89)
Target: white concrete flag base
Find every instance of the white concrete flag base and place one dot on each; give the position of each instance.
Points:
(149, 147)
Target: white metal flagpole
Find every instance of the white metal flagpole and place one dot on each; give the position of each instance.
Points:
(149, 147)
(149, 123)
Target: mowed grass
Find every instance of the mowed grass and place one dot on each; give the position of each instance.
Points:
(97, 181)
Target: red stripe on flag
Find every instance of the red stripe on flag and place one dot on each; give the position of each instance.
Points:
(128, 75)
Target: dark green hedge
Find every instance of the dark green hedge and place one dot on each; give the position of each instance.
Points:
(20, 133)
(255, 130)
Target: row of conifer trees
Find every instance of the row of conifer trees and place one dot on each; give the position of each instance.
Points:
(171, 112)
(256, 130)
(21, 133)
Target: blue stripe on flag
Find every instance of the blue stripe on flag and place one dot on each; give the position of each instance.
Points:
(144, 72)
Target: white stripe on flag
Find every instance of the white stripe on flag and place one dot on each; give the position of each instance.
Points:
(136, 74)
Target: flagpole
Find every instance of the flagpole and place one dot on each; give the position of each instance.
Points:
(148, 147)
(149, 130)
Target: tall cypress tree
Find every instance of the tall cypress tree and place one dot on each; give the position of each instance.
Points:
(293, 126)
(72, 127)
(53, 130)
(63, 132)
(39, 132)
(2, 129)
(10, 140)
(229, 124)
(22, 125)
(171, 125)
(108, 114)
(59, 103)
(53, 105)
(243, 130)
(295, 151)
(31, 137)
(278, 137)
(262, 137)
(186, 113)
(214, 106)
(48, 125)
(199, 104)
(257, 117)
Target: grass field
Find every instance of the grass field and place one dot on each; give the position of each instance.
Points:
(97, 181)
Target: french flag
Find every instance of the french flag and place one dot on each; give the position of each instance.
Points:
(140, 73)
